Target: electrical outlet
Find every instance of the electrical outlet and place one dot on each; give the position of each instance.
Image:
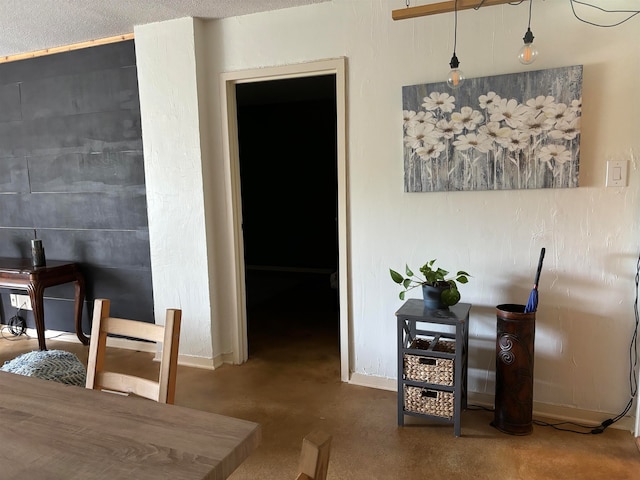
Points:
(20, 301)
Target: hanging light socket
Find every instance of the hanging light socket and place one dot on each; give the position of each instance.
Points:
(528, 53)
(456, 77)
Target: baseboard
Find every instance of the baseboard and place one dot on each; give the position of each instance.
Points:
(111, 341)
(186, 360)
(544, 410)
(371, 381)
(197, 362)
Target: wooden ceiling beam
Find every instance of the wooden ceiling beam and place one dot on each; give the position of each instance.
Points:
(66, 48)
(442, 7)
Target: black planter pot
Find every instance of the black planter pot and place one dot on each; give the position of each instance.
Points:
(433, 296)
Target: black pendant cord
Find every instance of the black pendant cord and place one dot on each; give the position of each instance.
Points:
(528, 36)
(455, 26)
(455, 63)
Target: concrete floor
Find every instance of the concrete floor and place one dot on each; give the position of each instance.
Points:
(291, 385)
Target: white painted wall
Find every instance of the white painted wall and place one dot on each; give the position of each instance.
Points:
(174, 164)
(585, 318)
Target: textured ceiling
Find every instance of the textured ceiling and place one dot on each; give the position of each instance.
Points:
(30, 25)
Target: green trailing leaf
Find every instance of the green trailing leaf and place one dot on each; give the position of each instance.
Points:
(396, 276)
(450, 297)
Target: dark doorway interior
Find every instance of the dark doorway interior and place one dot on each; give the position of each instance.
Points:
(288, 172)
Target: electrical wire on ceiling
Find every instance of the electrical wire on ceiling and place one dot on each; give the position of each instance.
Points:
(579, 2)
(573, 3)
(586, 4)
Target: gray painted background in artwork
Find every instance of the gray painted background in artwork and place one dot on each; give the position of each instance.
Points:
(516, 131)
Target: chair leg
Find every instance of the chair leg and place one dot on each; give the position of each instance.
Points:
(314, 458)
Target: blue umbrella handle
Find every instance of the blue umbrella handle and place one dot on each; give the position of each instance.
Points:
(535, 285)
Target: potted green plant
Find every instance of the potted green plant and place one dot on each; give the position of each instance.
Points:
(438, 290)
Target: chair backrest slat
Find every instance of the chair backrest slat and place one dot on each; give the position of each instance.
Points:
(132, 328)
(123, 383)
(100, 378)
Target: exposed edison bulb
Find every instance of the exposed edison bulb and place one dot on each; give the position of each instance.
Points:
(528, 53)
(456, 77)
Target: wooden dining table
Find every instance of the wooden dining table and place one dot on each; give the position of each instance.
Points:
(52, 431)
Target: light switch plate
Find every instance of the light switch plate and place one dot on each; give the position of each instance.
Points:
(617, 173)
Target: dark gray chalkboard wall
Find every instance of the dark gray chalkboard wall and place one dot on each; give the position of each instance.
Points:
(72, 173)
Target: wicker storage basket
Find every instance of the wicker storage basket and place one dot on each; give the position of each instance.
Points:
(430, 402)
(423, 368)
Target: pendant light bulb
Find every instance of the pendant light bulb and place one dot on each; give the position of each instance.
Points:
(528, 53)
(456, 77)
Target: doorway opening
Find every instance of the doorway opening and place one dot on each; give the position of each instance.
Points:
(282, 255)
(289, 188)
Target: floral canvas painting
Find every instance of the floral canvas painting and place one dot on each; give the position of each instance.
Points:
(516, 131)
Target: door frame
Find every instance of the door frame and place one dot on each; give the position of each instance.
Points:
(228, 82)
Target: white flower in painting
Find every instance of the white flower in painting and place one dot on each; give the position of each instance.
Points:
(496, 133)
(510, 111)
(488, 101)
(467, 117)
(432, 134)
(576, 106)
(442, 101)
(414, 135)
(449, 128)
(517, 141)
(538, 104)
(566, 129)
(558, 112)
(407, 115)
(551, 151)
(431, 150)
(419, 134)
(480, 142)
(410, 117)
(535, 125)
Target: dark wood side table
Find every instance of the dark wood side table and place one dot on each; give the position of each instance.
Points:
(18, 273)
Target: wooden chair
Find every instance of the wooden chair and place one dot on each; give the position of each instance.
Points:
(314, 457)
(99, 378)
